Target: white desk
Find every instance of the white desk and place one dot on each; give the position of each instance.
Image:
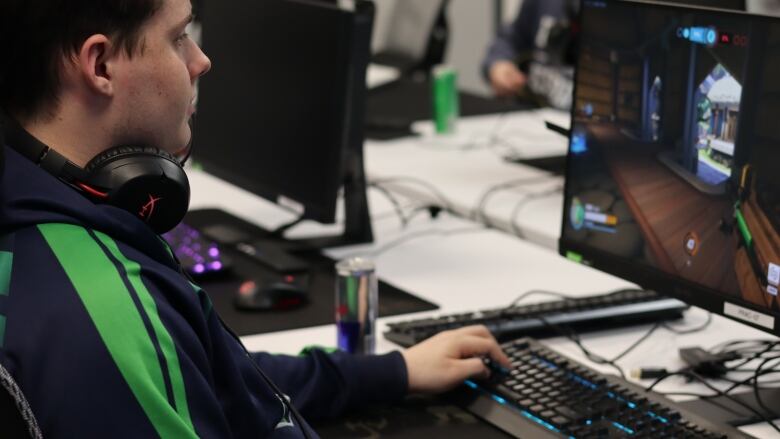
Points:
(464, 166)
(378, 74)
(474, 269)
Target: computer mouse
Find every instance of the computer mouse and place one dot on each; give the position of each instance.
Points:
(285, 293)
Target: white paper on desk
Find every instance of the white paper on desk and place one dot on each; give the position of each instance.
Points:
(521, 134)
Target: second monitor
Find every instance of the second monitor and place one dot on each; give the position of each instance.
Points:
(281, 112)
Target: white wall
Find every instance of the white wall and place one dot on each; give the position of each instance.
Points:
(471, 30)
(511, 8)
(767, 7)
(384, 11)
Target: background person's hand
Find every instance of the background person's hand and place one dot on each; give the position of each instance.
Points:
(506, 78)
(443, 361)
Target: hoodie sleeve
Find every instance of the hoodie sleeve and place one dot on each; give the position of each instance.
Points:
(326, 385)
(513, 38)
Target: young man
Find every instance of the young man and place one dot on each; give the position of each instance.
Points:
(103, 334)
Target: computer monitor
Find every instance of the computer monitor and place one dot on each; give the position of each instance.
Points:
(737, 5)
(281, 112)
(672, 174)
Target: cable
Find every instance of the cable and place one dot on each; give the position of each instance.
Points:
(598, 359)
(393, 200)
(574, 337)
(433, 189)
(413, 210)
(753, 381)
(693, 330)
(762, 416)
(478, 213)
(530, 293)
(757, 394)
(531, 197)
(473, 143)
(687, 373)
(416, 235)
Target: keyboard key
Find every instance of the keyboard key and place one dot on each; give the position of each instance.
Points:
(585, 404)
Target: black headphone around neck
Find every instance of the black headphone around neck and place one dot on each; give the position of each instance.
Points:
(145, 181)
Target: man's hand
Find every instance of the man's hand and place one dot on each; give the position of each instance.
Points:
(443, 361)
(506, 78)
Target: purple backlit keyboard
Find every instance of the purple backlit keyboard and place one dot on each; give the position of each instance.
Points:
(198, 255)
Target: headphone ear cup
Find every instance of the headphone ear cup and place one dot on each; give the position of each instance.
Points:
(111, 153)
(145, 181)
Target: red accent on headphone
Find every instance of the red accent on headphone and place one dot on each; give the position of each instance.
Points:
(148, 209)
(92, 191)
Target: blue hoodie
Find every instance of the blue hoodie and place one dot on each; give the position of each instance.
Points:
(107, 338)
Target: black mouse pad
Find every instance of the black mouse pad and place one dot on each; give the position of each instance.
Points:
(431, 417)
(320, 307)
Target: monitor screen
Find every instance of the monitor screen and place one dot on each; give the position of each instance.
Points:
(274, 113)
(672, 173)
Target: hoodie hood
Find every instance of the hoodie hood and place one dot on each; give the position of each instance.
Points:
(30, 196)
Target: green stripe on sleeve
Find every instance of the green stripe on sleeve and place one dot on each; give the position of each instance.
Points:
(204, 299)
(6, 262)
(167, 346)
(111, 308)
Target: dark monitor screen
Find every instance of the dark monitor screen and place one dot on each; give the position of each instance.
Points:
(672, 173)
(274, 113)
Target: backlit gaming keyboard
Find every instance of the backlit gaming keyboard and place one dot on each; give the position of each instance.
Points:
(198, 255)
(547, 395)
(622, 308)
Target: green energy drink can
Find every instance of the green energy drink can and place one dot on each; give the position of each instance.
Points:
(356, 305)
(446, 107)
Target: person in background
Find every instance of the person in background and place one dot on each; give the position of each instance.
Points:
(534, 54)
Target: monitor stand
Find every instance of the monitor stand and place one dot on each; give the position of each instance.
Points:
(271, 249)
(554, 164)
(726, 410)
(357, 218)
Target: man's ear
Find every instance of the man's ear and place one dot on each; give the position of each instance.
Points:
(94, 63)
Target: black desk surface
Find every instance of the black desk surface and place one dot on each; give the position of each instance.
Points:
(319, 310)
(407, 100)
(416, 418)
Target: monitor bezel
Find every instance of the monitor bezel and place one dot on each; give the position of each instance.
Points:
(322, 209)
(647, 276)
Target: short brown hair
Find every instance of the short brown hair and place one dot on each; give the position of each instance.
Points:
(36, 34)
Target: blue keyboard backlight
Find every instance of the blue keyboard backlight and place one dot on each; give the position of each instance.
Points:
(660, 418)
(623, 427)
(540, 421)
(499, 399)
(583, 381)
(548, 364)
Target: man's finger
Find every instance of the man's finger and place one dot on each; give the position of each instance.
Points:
(476, 346)
(481, 331)
(471, 368)
(478, 330)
